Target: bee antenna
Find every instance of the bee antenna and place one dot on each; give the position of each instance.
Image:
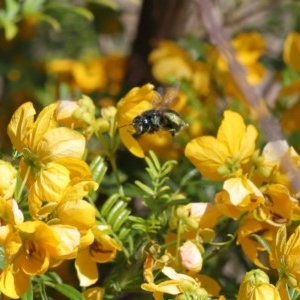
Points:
(124, 125)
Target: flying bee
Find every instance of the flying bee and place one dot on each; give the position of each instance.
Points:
(158, 119)
(154, 120)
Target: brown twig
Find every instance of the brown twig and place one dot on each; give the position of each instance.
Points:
(267, 123)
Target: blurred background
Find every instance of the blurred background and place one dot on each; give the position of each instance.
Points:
(61, 49)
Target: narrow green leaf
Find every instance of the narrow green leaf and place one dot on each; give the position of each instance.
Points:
(51, 276)
(51, 21)
(98, 168)
(187, 177)
(150, 164)
(32, 6)
(108, 3)
(108, 204)
(155, 160)
(68, 291)
(144, 187)
(120, 219)
(81, 11)
(262, 241)
(115, 211)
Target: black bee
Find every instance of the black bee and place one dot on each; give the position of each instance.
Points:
(153, 120)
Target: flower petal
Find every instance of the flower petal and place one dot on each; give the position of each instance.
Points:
(61, 142)
(87, 271)
(21, 122)
(13, 283)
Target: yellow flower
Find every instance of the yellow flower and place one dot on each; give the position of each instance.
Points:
(285, 257)
(201, 78)
(102, 248)
(238, 195)
(273, 164)
(115, 68)
(249, 47)
(8, 179)
(34, 248)
(279, 206)
(256, 286)
(178, 284)
(135, 102)
(195, 216)
(291, 50)
(89, 75)
(170, 62)
(78, 182)
(42, 144)
(226, 155)
(251, 246)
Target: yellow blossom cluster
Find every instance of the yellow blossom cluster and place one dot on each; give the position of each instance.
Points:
(90, 75)
(52, 170)
(48, 216)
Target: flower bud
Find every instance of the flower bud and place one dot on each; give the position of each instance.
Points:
(191, 257)
(256, 286)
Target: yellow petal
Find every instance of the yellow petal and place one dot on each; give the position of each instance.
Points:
(231, 131)
(8, 179)
(21, 122)
(50, 184)
(291, 50)
(170, 287)
(69, 241)
(13, 283)
(94, 293)
(44, 122)
(207, 154)
(243, 193)
(247, 146)
(87, 271)
(60, 142)
(170, 68)
(69, 211)
(36, 261)
(249, 47)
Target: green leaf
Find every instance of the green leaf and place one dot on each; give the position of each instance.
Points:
(68, 291)
(12, 10)
(187, 177)
(108, 3)
(50, 20)
(98, 168)
(71, 8)
(155, 160)
(10, 29)
(30, 7)
(120, 219)
(117, 209)
(108, 204)
(262, 241)
(144, 187)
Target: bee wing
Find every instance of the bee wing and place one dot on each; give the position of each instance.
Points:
(166, 97)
